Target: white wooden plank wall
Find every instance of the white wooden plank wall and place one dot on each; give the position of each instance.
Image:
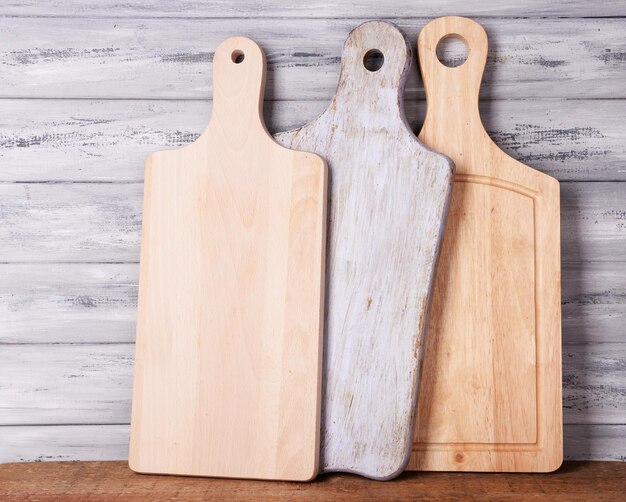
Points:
(88, 88)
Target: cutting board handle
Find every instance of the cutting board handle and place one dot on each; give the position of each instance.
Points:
(238, 90)
(452, 91)
(362, 81)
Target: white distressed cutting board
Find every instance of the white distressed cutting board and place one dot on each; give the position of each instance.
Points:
(229, 326)
(388, 198)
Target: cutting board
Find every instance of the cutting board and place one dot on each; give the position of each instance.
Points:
(229, 327)
(388, 198)
(490, 397)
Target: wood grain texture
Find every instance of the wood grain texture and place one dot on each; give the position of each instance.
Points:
(593, 303)
(490, 395)
(107, 141)
(275, 8)
(230, 313)
(589, 372)
(65, 384)
(70, 222)
(389, 196)
(24, 443)
(595, 442)
(101, 222)
(68, 303)
(104, 481)
(170, 58)
(91, 384)
(97, 303)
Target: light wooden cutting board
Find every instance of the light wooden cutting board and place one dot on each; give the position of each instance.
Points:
(229, 328)
(490, 397)
(388, 198)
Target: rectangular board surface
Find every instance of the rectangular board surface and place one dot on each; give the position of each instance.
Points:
(228, 356)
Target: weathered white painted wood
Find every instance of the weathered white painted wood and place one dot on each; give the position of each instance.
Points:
(594, 442)
(110, 442)
(70, 222)
(593, 213)
(389, 196)
(65, 384)
(170, 58)
(593, 302)
(594, 383)
(97, 302)
(68, 303)
(91, 384)
(278, 8)
(81, 140)
(63, 443)
(100, 222)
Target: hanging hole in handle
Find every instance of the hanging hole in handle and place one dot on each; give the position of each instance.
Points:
(237, 56)
(373, 60)
(452, 51)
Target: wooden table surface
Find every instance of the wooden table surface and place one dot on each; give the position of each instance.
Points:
(98, 481)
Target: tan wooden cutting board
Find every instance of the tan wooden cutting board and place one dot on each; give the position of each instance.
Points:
(389, 195)
(229, 328)
(490, 397)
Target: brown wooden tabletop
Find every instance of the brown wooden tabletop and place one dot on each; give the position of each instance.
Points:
(99, 481)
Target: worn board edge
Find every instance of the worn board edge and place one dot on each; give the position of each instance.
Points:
(24, 443)
(171, 58)
(108, 141)
(92, 383)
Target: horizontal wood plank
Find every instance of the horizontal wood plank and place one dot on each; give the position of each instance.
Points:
(68, 303)
(105, 481)
(110, 442)
(594, 442)
(318, 8)
(594, 383)
(593, 222)
(91, 384)
(70, 222)
(101, 222)
(49, 443)
(171, 58)
(25, 443)
(97, 303)
(82, 140)
(593, 302)
(65, 384)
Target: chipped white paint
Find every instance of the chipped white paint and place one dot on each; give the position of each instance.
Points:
(94, 141)
(171, 58)
(281, 9)
(388, 199)
(101, 222)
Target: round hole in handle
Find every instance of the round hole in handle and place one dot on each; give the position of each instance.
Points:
(373, 60)
(237, 56)
(452, 51)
